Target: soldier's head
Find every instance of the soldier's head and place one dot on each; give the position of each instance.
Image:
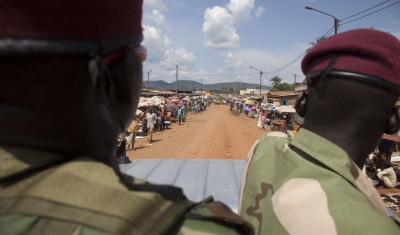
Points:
(69, 67)
(353, 83)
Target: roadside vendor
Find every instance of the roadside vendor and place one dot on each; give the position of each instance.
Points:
(386, 148)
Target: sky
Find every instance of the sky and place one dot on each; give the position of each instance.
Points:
(217, 41)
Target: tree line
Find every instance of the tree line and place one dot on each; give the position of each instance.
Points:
(277, 85)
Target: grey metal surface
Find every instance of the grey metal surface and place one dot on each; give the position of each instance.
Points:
(198, 178)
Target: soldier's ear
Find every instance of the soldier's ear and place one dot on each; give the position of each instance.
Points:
(393, 123)
(301, 104)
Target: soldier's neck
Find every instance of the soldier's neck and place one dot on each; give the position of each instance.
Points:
(354, 141)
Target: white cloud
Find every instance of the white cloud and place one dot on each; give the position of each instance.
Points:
(180, 54)
(220, 23)
(155, 16)
(240, 9)
(156, 42)
(220, 70)
(156, 36)
(158, 17)
(232, 63)
(260, 11)
(155, 4)
(218, 29)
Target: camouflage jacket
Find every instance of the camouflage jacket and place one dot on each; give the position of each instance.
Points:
(308, 185)
(84, 196)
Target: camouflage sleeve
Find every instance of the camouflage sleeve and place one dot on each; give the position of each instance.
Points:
(30, 224)
(212, 218)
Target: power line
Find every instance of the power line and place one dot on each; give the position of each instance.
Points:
(369, 13)
(210, 75)
(364, 10)
(154, 47)
(300, 56)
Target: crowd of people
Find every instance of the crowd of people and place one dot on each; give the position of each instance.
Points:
(265, 116)
(154, 118)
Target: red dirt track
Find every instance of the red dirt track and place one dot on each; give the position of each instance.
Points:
(217, 133)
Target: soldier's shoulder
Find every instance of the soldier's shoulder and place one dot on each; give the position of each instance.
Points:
(212, 218)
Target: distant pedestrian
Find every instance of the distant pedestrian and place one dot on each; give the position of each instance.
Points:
(259, 123)
(263, 120)
(132, 131)
(180, 113)
(185, 111)
(151, 119)
(193, 107)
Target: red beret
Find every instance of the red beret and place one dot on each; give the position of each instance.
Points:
(72, 19)
(362, 51)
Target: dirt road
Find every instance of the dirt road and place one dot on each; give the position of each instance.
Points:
(216, 133)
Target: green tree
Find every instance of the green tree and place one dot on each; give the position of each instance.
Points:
(231, 91)
(275, 80)
(283, 87)
(317, 41)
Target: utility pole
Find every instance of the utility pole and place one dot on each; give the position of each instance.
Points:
(201, 90)
(294, 84)
(261, 72)
(148, 78)
(336, 21)
(176, 63)
(336, 25)
(260, 83)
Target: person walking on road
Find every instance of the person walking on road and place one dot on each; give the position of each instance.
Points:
(185, 111)
(180, 113)
(193, 107)
(151, 119)
(259, 123)
(132, 130)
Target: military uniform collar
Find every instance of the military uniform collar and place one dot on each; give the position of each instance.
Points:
(337, 160)
(325, 152)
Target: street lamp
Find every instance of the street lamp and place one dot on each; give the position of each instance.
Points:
(176, 63)
(335, 20)
(148, 77)
(261, 72)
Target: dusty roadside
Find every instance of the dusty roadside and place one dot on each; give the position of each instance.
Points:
(216, 133)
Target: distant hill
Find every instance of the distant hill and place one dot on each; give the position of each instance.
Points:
(190, 85)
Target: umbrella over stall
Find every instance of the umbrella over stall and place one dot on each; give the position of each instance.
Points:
(172, 100)
(286, 109)
(171, 107)
(269, 105)
(250, 102)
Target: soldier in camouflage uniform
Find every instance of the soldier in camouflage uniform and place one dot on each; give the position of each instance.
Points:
(70, 82)
(311, 183)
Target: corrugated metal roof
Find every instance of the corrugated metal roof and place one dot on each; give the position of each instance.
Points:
(199, 178)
